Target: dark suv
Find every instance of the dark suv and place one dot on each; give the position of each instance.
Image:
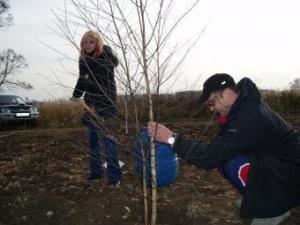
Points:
(14, 110)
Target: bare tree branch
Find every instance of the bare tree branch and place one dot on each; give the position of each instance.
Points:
(10, 65)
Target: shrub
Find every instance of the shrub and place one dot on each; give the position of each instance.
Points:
(168, 107)
(59, 113)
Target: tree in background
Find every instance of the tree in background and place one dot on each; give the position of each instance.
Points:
(295, 84)
(5, 17)
(11, 63)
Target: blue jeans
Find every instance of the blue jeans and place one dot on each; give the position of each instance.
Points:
(236, 171)
(97, 143)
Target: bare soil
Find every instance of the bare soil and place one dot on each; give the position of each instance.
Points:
(42, 181)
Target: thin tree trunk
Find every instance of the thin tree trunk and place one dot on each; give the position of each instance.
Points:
(126, 113)
(151, 116)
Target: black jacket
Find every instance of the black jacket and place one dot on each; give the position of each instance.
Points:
(96, 80)
(273, 147)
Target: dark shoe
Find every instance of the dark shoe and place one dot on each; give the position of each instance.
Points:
(114, 183)
(94, 177)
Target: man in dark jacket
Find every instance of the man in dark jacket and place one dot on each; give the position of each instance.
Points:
(257, 150)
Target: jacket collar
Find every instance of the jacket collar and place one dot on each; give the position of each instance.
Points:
(248, 92)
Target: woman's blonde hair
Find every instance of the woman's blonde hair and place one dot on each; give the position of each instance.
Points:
(99, 42)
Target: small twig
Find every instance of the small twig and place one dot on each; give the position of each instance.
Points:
(7, 135)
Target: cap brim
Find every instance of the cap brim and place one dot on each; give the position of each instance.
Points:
(204, 97)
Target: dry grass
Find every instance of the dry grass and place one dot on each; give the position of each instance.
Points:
(284, 102)
(60, 113)
(169, 107)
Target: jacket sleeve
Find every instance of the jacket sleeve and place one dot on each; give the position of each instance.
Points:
(242, 136)
(112, 90)
(82, 79)
(113, 60)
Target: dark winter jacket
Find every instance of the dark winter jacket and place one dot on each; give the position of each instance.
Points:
(96, 80)
(273, 147)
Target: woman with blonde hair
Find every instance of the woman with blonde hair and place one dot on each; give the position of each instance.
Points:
(96, 81)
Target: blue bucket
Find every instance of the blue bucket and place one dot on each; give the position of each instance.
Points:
(166, 161)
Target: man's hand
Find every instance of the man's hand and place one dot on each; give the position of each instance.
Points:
(73, 99)
(161, 133)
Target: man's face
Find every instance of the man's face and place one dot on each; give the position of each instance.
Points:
(217, 103)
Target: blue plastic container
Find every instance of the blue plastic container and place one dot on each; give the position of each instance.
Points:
(166, 161)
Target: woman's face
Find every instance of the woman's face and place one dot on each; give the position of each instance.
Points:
(89, 44)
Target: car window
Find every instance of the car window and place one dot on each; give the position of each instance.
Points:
(19, 100)
(11, 99)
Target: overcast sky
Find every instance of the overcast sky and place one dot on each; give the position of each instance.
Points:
(254, 38)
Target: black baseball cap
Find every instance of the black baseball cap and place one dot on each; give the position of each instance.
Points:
(216, 82)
